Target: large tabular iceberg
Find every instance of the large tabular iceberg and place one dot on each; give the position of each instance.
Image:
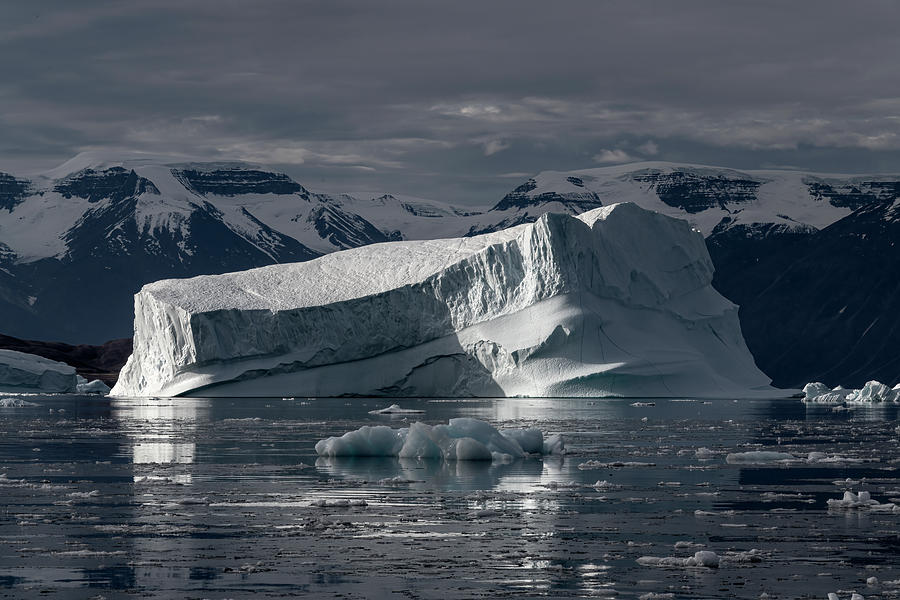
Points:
(613, 302)
(22, 372)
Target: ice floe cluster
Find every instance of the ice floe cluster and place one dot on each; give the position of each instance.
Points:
(863, 500)
(15, 403)
(460, 439)
(768, 456)
(701, 558)
(872, 393)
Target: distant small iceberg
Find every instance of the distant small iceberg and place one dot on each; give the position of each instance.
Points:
(396, 409)
(874, 392)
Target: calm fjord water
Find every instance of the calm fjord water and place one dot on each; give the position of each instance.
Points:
(200, 498)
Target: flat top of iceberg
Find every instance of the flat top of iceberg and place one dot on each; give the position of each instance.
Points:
(32, 363)
(347, 275)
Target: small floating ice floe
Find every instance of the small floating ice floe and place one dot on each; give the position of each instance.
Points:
(823, 458)
(596, 464)
(396, 480)
(701, 558)
(564, 485)
(704, 453)
(460, 439)
(339, 503)
(863, 500)
(605, 485)
(758, 457)
(768, 456)
(395, 409)
(15, 403)
(83, 386)
(846, 482)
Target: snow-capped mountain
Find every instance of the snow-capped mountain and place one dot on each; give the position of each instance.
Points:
(78, 241)
(710, 198)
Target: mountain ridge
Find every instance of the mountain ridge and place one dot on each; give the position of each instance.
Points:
(77, 241)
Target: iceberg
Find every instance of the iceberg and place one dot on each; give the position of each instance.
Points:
(96, 386)
(460, 439)
(873, 392)
(701, 558)
(22, 372)
(863, 500)
(616, 301)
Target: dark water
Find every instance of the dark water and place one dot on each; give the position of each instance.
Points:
(194, 498)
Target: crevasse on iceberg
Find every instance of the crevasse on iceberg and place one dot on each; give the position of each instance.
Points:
(616, 301)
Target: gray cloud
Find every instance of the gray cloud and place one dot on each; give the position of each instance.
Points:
(446, 100)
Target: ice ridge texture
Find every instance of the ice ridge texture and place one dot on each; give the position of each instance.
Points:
(22, 372)
(616, 301)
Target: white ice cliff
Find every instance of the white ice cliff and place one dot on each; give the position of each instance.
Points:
(22, 372)
(613, 302)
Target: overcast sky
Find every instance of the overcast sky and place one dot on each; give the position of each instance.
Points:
(458, 101)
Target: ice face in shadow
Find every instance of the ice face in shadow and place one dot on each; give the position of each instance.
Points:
(22, 372)
(614, 302)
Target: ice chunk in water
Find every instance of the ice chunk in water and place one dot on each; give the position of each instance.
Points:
(420, 443)
(554, 445)
(90, 387)
(531, 440)
(759, 456)
(701, 558)
(863, 500)
(380, 440)
(460, 439)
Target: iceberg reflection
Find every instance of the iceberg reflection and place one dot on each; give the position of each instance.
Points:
(435, 474)
(161, 431)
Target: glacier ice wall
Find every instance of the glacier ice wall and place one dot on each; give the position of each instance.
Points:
(613, 302)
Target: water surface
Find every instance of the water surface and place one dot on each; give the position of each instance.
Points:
(222, 498)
